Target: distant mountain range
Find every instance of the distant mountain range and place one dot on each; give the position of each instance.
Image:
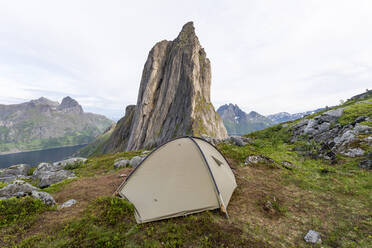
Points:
(42, 123)
(284, 116)
(237, 122)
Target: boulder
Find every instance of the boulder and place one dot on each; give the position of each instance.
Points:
(14, 172)
(335, 113)
(17, 186)
(345, 139)
(121, 163)
(48, 178)
(361, 119)
(68, 203)
(44, 196)
(366, 164)
(288, 165)
(258, 159)
(359, 128)
(313, 237)
(70, 161)
(353, 152)
(46, 167)
(238, 141)
(135, 161)
(310, 127)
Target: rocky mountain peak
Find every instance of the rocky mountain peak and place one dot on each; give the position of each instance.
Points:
(173, 99)
(237, 122)
(44, 101)
(187, 34)
(69, 104)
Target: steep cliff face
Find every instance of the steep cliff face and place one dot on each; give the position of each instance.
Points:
(173, 99)
(174, 95)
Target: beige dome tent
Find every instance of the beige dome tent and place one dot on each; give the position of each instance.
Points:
(184, 176)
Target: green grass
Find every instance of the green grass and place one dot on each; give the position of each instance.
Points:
(109, 222)
(354, 111)
(2, 184)
(23, 210)
(54, 188)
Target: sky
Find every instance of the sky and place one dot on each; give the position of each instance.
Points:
(266, 55)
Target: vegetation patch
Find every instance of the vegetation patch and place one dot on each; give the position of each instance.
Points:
(354, 111)
(16, 210)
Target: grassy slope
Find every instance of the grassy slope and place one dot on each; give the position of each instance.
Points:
(335, 200)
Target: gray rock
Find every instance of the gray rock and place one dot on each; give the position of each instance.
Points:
(300, 124)
(68, 203)
(324, 127)
(122, 163)
(336, 113)
(288, 165)
(346, 138)
(20, 194)
(44, 196)
(16, 187)
(366, 164)
(257, 159)
(368, 140)
(48, 178)
(353, 152)
(313, 237)
(310, 127)
(362, 128)
(14, 172)
(46, 167)
(48, 174)
(361, 119)
(70, 161)
(238, 141)
(135, 161)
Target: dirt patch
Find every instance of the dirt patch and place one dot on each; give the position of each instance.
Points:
(84, 191)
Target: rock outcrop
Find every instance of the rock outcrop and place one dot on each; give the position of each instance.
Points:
(174, 96)
(20, 188)
(70, 105)
(14, 172)
(173, 99)
(333, 137)
(48, 174)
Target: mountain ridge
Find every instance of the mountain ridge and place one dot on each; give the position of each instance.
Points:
(42, 123)
(237, 122)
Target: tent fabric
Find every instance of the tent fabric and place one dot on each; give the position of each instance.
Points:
(183, 176)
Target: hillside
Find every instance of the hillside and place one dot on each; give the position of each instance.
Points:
(288, 183)
(237, 122)
(42, 123)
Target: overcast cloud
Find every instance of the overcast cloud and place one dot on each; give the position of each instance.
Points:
(267, 56)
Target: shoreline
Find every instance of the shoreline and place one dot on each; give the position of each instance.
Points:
(51, 148)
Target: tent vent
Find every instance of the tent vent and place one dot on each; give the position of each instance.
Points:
(217, 161)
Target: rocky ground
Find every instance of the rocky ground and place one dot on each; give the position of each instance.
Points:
(300, 184)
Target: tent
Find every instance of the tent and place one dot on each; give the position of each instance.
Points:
(183, 176)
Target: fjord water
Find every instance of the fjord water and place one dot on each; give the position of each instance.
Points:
(36, 157)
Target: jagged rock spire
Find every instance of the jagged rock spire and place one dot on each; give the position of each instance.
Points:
(174, 95)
